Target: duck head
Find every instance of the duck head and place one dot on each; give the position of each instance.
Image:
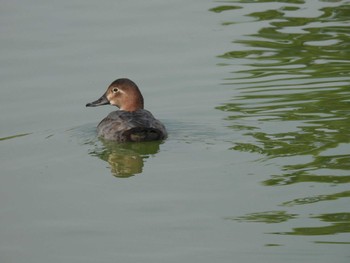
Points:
(122, 93)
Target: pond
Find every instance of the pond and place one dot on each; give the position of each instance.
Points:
(255, 96)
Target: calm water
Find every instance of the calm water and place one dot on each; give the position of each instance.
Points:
(256, 99)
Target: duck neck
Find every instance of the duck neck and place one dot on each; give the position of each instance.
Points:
(132, 106)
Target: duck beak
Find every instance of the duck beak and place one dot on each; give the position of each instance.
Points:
(101, 101)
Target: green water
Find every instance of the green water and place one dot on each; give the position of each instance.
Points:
(291, 103)
(255, 96)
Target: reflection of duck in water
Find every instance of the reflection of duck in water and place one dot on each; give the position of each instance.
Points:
(131, 122)
(126, 159)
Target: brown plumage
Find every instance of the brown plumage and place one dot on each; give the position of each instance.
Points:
(131, 122)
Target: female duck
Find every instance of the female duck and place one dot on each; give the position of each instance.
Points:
(131, 122)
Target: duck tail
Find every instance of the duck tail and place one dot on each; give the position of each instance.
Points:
(143, 135)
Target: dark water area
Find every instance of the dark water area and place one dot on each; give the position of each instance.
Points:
(291, 105)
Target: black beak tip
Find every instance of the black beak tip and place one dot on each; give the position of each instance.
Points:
(101, 101)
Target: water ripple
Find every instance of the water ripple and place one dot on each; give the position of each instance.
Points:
(290, 74)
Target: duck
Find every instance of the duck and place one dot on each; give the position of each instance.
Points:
(131, 123)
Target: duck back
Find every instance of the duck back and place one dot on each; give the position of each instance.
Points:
(135, 126)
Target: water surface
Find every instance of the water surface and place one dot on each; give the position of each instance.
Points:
(291, 105)
(254, 94)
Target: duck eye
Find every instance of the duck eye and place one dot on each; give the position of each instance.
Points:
(115, 90)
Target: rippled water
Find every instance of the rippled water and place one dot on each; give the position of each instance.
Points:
(290, 76)
(256, 99)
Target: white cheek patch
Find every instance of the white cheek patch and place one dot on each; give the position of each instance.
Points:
(109, 97)
(115, 97)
